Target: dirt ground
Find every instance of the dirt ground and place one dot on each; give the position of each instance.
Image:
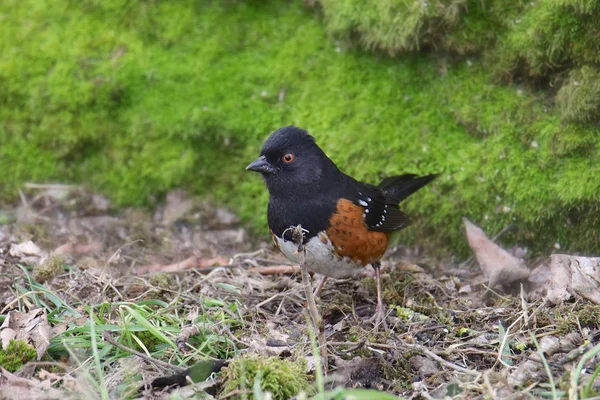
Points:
(84, 267)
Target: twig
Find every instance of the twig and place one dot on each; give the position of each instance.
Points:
(298, 238)
(276, 270)
(248, 255)
(60, 186)
(106, 335)
(431, 355)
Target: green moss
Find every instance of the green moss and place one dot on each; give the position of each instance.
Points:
(283, 378)
(149, 340)
(588, 316)
(399, 372)
(409, 315)
(149, 96)
(579, 98)
(17, 354)
(162, 280)
(462, 27)
(52, 266)
(550, 35)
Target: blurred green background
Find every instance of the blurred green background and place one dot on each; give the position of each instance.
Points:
(135, 98)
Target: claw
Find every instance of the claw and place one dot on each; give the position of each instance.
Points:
(379, 315)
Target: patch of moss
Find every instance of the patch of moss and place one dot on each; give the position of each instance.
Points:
(550, 35)
(53, 265)
(283, 378)
(399, 371)
(579, 97)
(586, 316)
(407, 314)
(149, 340)
(37, 233)
(462, 27)
(162, 280)
(17, 354)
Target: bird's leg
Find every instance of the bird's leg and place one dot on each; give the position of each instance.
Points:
(317, 291)
(379, 309)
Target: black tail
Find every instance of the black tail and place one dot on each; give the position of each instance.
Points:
(401, 186)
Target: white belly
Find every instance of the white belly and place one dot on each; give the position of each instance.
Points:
(320, 258)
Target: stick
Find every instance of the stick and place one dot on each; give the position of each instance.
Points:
(108, 337)
(298, 237)
(429, 354)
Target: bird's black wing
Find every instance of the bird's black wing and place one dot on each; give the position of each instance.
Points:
(381, 212)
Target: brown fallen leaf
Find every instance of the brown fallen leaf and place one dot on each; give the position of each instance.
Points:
(188, 263)
(497, 265)
(565, 277)
(423, 366)
(28, 252)
(357, 372)
(32, 327)
(13, 387)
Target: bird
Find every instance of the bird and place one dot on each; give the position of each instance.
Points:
(346, 224)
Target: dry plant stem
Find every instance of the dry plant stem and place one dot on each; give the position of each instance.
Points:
(428, 353)
(314, 316)
(320, 286)
(108, 337)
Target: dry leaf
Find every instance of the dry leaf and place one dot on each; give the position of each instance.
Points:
(567, 276)
(497, 265)
(6, 335)
(423, 366)
(357, 371)
(28, 252)
(32, 327)
(13, 387)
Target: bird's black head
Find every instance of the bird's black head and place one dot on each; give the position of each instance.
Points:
(291, 161)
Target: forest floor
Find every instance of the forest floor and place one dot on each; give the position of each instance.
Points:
(107, 297)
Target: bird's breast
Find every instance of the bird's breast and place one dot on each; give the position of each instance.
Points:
(319, 255)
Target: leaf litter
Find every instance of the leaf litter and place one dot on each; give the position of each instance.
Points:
(513, 326)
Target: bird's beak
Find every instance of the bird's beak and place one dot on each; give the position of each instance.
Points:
(261, 165)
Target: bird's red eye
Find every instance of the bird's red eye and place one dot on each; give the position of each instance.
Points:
(288, 158)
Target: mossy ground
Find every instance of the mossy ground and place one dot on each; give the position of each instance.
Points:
(136, 98)
(16, 354)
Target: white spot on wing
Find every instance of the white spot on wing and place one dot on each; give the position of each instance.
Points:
(363, 203)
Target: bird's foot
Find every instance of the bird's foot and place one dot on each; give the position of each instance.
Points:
(379, 318)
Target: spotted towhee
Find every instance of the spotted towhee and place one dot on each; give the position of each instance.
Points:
(347, 224)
